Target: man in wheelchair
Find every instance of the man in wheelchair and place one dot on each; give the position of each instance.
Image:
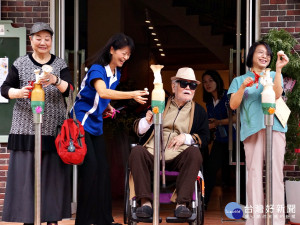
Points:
(185, 124)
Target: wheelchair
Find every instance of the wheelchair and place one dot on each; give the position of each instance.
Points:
(197, 203)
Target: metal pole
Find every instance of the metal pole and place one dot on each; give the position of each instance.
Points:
(61, 27)
(157, 119)
(257, 20)
(238, 58)
(37, 120)
(230, 141)
(269, 120)
(76, 46)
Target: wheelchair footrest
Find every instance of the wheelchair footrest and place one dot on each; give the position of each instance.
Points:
(143, 220)
(181, 220)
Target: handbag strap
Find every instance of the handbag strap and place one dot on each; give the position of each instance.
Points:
(70, 103)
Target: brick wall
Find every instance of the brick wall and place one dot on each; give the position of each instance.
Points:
(281, 14)
(23, 14)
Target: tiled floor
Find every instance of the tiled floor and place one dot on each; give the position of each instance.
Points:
(213, 216)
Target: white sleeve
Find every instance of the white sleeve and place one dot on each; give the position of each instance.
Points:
(189, 139)
(143, 126)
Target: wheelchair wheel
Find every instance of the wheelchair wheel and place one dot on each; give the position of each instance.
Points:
(127, 207)
(200, 208)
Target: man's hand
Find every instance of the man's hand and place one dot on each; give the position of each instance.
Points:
(176, 142)
(149, 117)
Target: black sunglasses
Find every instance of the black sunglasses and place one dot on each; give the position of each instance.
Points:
(184, 84)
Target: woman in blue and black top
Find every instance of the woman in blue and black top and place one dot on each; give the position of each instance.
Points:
(96, 91)
(217, 103)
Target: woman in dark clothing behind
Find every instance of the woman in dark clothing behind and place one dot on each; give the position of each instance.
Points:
(93, 100)
(55, 182)
(217, 103)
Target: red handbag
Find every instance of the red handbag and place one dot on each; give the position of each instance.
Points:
(70, 141)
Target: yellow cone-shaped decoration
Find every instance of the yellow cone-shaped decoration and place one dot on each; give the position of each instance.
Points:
(37, 99)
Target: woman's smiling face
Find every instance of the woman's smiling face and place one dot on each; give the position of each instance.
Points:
(119, 56)
(261, 57)
(41, 42)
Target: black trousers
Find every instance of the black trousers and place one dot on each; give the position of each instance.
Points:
(94, 193)
(188, 163)
(217, 159)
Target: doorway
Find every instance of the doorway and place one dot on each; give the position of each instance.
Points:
(173, 33)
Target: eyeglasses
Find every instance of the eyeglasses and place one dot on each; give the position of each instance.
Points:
(184, 84)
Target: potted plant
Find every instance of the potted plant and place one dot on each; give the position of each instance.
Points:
(283, 40)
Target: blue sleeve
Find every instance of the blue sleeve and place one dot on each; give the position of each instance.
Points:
(234, 86)
(98, 73)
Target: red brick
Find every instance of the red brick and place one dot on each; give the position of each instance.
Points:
(45, 20)
(45, 3)
(32, 14)
(264, 2)
(293, 12)
(293, 24)
(293, 1)
(284, 7)
(3, 167)
(286, 18)
(3, 15)
(24, 9)
(3, 179)
(289, 168)
(5, 156)
(2, 190)
(2, 184)
(265, 13)
(268, 7)
(296, 35)
(268, 18)
(32, 3)
(278, 24)
(289, 29)
(40, 9)
(4, 3)
(24, 20)
(8, 9)
(264, 31)
(2, 173)
(264, 24)
(278, 13)
(15, 14)
(297, 29)
(16, 3)
(277, 1)
(44, 14)
(4, 145)
(3, 161)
